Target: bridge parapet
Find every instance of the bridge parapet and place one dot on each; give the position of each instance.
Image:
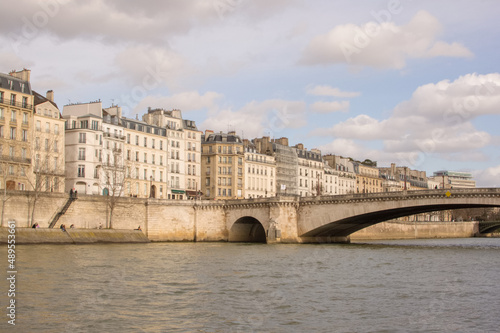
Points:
(401, 195)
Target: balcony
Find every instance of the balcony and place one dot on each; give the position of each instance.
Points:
(13, 159)
(16, 104)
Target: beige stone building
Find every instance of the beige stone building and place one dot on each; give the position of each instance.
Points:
(310, 171)
(367, 178)
(222, 161)
(402, 178)
(343, 171)
(16, 122)
(260, 173)
(48, 144)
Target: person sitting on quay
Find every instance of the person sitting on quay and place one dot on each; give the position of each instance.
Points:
(139, 228)
(63, 227)
(35, 225)
(72, 226)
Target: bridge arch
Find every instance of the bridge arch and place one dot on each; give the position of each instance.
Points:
(247, 229)
(323, 220)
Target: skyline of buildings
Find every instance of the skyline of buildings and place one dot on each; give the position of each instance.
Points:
(165, 156)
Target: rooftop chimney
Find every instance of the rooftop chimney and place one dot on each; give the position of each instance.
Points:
(23, 75)
(50, 95)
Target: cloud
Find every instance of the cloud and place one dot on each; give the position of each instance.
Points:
(269, 117)
(328, 107)
(331, 91)
(153, 67)
(188, 101)
(384, 45)
(489, 177)
(435, 121)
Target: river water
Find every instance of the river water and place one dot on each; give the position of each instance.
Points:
(445, 285)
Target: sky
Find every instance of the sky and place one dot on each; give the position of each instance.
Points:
(416, 83)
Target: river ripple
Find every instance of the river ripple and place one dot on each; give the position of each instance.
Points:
(447, 285)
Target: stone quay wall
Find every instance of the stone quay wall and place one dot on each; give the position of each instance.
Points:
(204, 221)
(417, 230)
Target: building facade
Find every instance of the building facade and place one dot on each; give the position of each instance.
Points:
(453, 179)
(48, 144)
(223, 165)
(343, 169)
(260, 173)
(367, 178)
(16, 128)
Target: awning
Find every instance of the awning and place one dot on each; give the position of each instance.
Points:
(194, 193)
(178, 191)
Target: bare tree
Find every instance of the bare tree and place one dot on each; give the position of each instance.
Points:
(4, 173)
(12, 168)
(47, 170)
(112, 179)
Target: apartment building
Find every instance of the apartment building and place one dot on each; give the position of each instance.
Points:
(310, 171)
(402, 178)
(16, 122)
(260, 173)
(183, 152)
(453, 179)
(83, 147)
(48, 144)
(222, 161)
(343, 170)
(286, 160)
(367, 178)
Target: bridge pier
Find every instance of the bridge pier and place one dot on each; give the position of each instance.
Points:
(326, 239)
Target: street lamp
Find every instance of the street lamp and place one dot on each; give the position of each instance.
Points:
(150, 185)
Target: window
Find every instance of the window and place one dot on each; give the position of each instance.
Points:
(12, 133)
(47, 127)
(56, 129)
(25, 118)
(13, 116)
(84, 124)
(136, 140)
(161, 160)
(82, 138)
(81, 170)
(153, 159)
(128, 138)
(23, 153)
(46, 144)
(11, 151)
(145, 142)
(145, 174)
(153, 143)
(161, 145)
(145, 158)
(25, 100)
(1, 109)
(137, 156)
(81, 154)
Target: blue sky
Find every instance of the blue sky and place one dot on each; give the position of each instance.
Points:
(410, 82)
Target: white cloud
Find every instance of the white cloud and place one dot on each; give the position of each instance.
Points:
(328, 107)
(436, 121)
(384, 45)
(331, 91)
(489, 177)
(186, 102)
(270, 117)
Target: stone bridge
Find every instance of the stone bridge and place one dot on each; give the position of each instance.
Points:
(334, 218)
(486, 227)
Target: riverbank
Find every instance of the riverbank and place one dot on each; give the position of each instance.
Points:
(73, 236)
